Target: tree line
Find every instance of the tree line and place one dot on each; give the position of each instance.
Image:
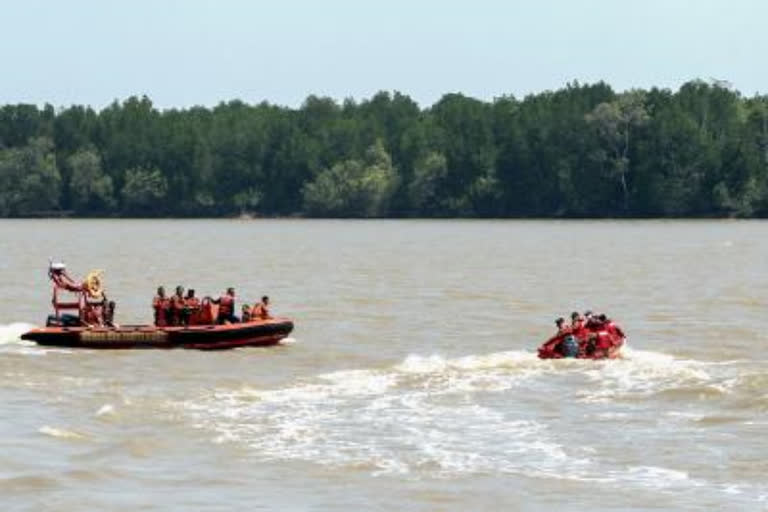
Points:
(580, 151)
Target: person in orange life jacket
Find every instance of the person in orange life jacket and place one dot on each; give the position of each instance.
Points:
(177, 306)
(161, 305)
(261, 310)
(191, 307)
(226, 307)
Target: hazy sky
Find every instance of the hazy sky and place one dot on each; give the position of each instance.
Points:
(187, 52)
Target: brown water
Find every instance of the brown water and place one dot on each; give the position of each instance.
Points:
(410, 382)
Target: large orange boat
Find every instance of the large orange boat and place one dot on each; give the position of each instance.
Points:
(81, 331)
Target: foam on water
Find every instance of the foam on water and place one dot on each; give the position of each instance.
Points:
(11, 333)
(436, 417)
(60, 433)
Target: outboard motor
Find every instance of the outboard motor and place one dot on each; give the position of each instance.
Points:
(570, 346)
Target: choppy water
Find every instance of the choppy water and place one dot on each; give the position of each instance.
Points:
(411, 381)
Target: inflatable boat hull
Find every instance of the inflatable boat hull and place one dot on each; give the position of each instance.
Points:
(201, 337)
(591, 343)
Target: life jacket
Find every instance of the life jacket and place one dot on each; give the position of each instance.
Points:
(161, 305)
(614, 329)
(604, 341)
(178, 303)
(192, 303)
(260, 311)
(226, 305)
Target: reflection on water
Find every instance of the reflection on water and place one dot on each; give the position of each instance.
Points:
(410, 382)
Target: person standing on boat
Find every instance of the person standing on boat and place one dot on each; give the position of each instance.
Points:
(261, 310)
(161, 305)
(226, 307)
(177, 306)
(191, 310)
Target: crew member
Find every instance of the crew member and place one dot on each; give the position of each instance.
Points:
(226, 307)
(577, 322)
(245, 313)
(95, 302)
(561, 327)
(161, 305)
(589, 319)
(261, 310)
(611, 327)
(177, 307)
(191, 311)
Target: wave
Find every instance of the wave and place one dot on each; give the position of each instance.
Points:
(61, 433)
(11, 333)
(442, 417)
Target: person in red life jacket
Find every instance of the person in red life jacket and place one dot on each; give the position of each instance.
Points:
(611, 327)
(261, 310)
(226, 307)
(161, 306)
(577, 323)
(177, 307)
(191, 311)
(561, 327)
(603, 343)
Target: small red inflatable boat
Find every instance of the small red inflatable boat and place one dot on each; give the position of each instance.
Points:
(204, 337)
(598, 340)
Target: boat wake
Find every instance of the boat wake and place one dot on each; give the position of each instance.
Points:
(11, 333)
(436, 417)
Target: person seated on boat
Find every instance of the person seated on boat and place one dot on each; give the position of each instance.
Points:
(191, 308)
(603, 343)
(577, 322)
(261, 310)
(178, 314)
(611, 327)
(245, 313)
(226, 308)
(589, 319)
(161, 306)
(561, 327)
(58, 274)
(95, 299)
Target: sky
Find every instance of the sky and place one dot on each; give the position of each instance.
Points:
(182, 53)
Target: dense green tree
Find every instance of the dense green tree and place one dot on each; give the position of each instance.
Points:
(91, 191)
(144, 191)
(615, 122)
(354, 188)
(580, 151)
(29, 179)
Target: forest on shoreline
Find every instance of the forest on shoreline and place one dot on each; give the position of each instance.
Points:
(583, 151)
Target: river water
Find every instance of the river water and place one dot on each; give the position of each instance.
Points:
(410, 382)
